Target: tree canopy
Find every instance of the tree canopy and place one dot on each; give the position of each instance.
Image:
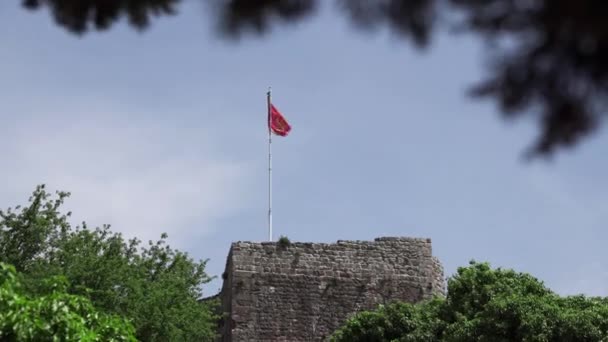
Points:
(486, 305)
(547, 58)
(55, 315)
(156, 287)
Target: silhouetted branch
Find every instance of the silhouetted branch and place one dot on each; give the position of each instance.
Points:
(549, 58)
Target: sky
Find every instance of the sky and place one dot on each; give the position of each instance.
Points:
(164, 131)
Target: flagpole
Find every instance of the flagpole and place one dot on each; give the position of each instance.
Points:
(269, 170)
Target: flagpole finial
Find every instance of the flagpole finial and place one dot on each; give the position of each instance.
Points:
(269, 90)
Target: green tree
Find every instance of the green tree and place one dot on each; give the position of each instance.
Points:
(155, 286)
(486, 305)
(54, 316)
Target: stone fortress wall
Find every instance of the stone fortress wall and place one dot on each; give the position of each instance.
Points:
(292, 292)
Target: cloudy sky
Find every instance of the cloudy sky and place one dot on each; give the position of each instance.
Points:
(164, 131)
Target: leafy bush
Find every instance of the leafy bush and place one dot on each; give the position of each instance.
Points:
(485, 304)
(284, 242)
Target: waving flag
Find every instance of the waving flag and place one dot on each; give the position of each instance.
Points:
(279, 126)
(277, 123)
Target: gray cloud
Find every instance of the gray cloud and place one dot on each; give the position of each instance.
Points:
(137, 174)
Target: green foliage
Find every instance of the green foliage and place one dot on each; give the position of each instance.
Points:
(25, 235)
(485, 305)
(155, 286)
(284, 242)
(393, 322)
(55, 316)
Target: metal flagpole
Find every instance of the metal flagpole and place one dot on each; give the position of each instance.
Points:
(269, 171)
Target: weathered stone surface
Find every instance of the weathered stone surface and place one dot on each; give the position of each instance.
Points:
(304, 291)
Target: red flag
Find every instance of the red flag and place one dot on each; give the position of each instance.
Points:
(277, 123)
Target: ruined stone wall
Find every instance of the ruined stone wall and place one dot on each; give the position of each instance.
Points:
(304, 291)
